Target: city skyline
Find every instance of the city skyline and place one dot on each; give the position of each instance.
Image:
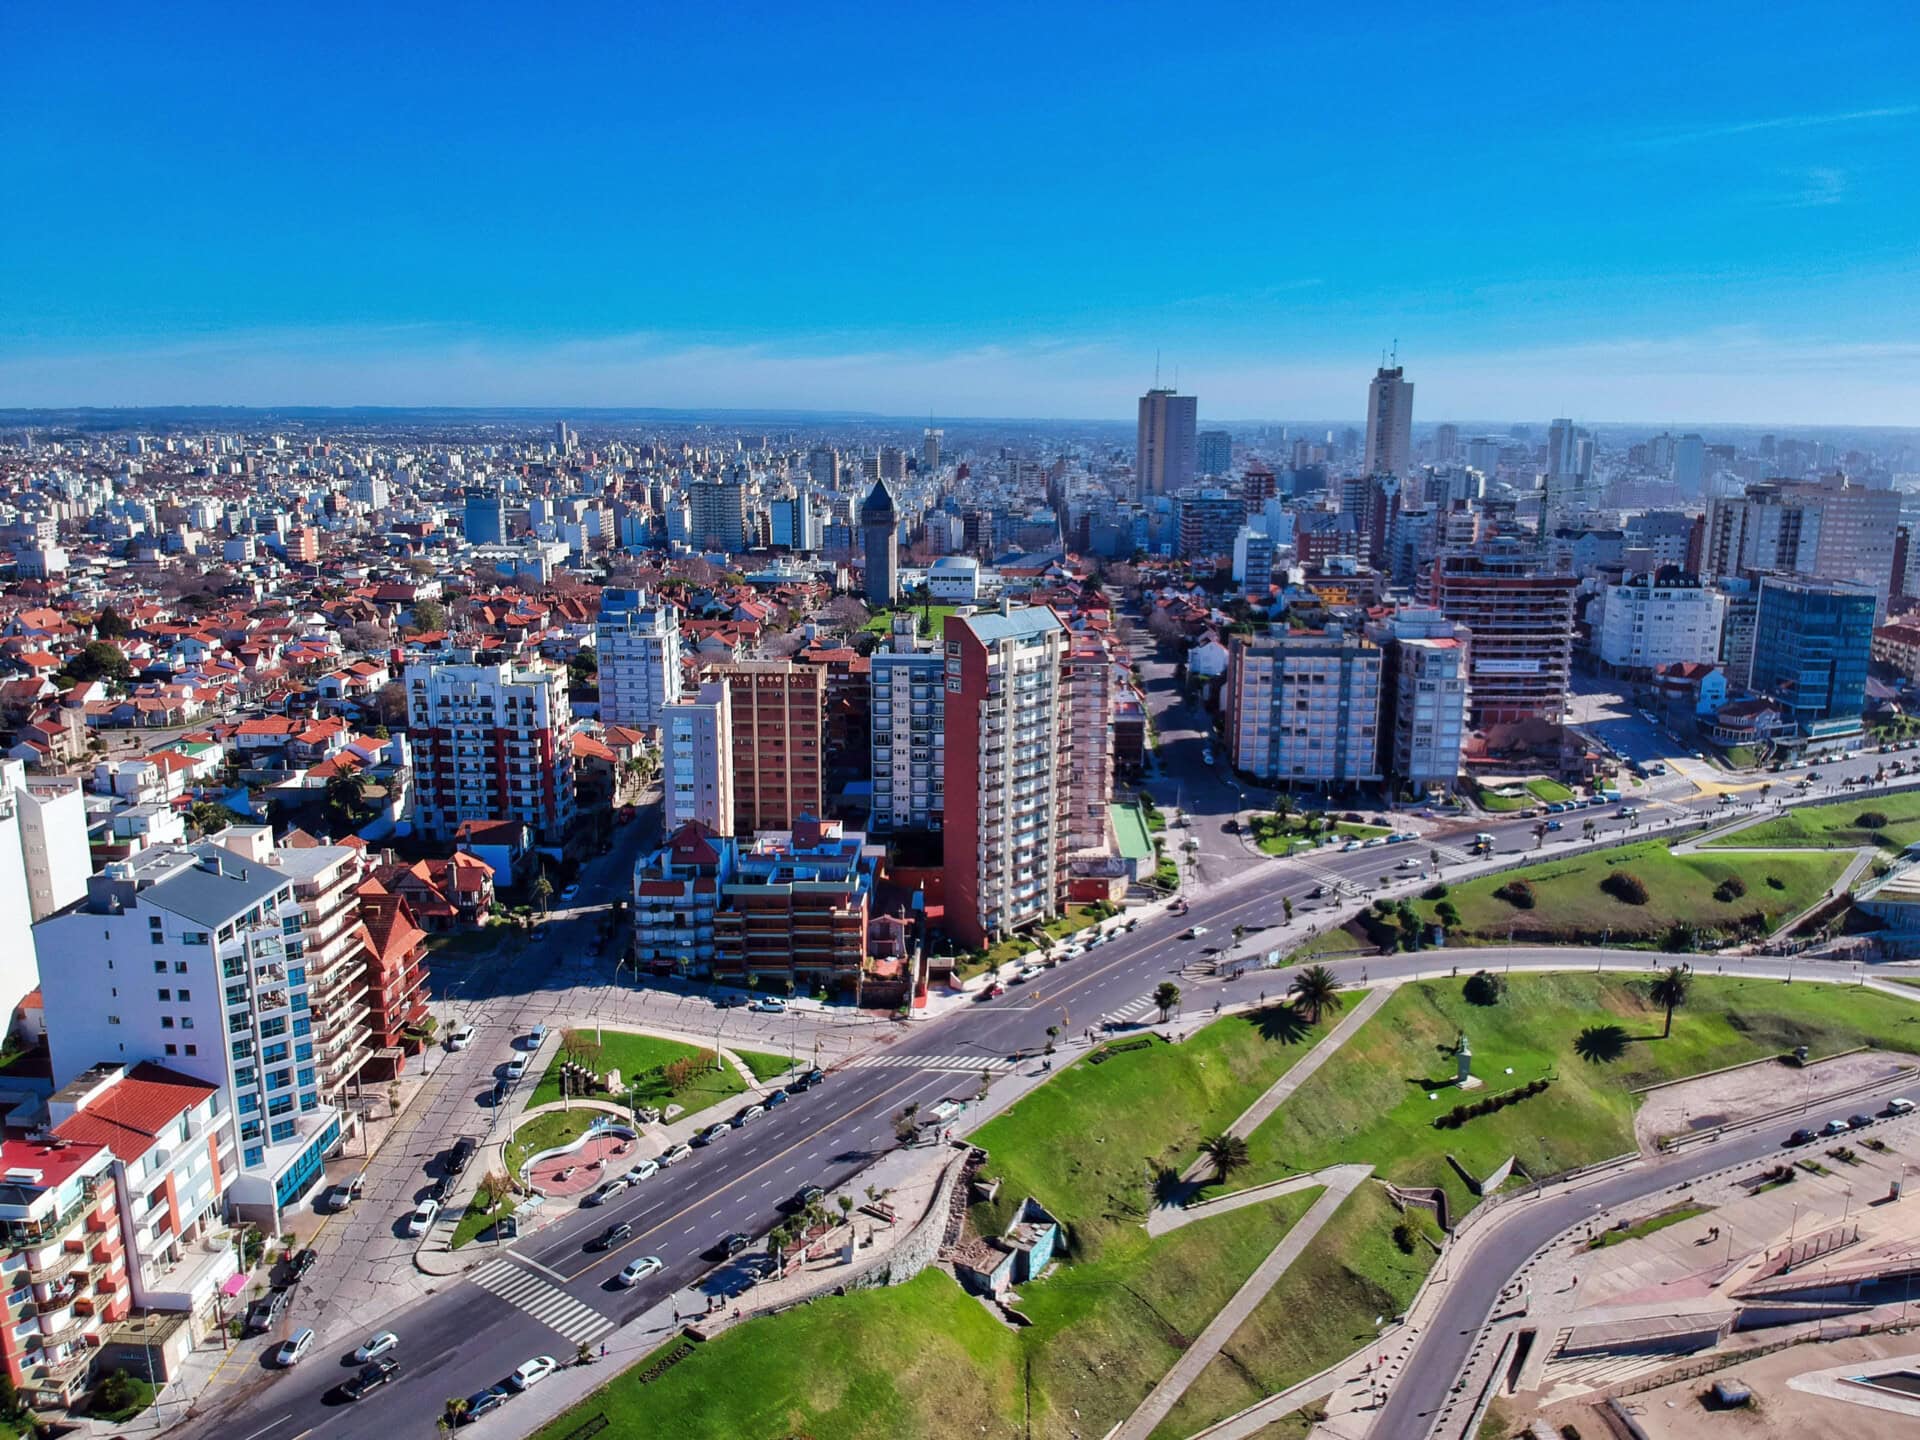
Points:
(1595, 242)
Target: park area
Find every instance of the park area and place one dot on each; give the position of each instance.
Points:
(1632, 895)
(1890, 821)
(656, 1071)
(1284, 834)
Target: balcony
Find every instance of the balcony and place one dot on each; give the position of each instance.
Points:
(54, 1269)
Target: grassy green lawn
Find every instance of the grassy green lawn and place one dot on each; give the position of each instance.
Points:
(1647, 1226)
(1282, 837)
(763, 1065)
(1504, 804)
(1549, 791)
(1820, 827)
(932, 618)
(477, 1220)
(546, 1132)
(1569, 905)
(635, 1056)
(1091, 1141)
(1370, 1100)
(917, 1359)
(1350, 1274)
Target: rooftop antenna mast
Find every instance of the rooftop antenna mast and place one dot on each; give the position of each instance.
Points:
(1396, 349)
(1156, 367)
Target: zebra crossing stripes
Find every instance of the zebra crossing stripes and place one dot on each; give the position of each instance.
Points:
(544, 1301)
(974, 1063)
(1130, 1012)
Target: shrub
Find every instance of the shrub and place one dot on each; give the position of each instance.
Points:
(1870, 820)
(1774, 882)
(1406, 1237)
(1483, 987)
(1434, 892)
(1730, 889)
(1447, 915)
(1517, 893)
(1626, 887)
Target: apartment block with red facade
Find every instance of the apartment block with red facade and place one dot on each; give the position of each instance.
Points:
(490, 742)
(1521, 616)
(793, 911)
(396, 949)
(779, 734)
(63, 1263)
(1009, 771)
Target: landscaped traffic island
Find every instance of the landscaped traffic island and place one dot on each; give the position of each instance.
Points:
(653, 1070)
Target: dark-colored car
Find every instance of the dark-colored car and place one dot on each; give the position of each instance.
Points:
(729, 1246)
(1860, 1122)
(806, 1195)
(371, 1378)
(613, 1235)
(485, 1402)
(300, 1262)
(813, 1078)
(441, 1187)
(713, 1133)
(729, 1002)
(461, 1154)
(1800, 1137)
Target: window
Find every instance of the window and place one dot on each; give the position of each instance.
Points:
(279, 1079)
(193, 1049)
(186, 1022)
(171, 1049)
(166, 995)
(283, 1130)
(159, 967)
(186, 997)
(193, 937)
(179, 967)
(166, 1022)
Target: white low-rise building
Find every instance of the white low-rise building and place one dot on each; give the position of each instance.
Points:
(1661, 619)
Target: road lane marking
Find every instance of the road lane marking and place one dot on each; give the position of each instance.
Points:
(543, 1269)
(571, 1319)
(269, 1425)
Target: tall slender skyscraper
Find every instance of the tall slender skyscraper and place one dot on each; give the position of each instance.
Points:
(1164, 452)
(879, 529)
(1389, 423)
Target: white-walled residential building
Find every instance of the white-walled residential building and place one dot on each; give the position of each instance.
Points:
(194, 957)
(697, 759)
(19, 967)
(1303, 707)
(908, 734)
(637, 647)
(52, 815)
(1663, 619)
(174, 1148)
(1424, 704)
(490, 742)
(1089, 666)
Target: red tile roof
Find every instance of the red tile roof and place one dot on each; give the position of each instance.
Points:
(136, 1110)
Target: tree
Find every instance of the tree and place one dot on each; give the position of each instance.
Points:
(845, 612)
(209, 818)
(390, 703)
(1286, 905)
(1226, 1152)
(99, 661)
(583, 669)
(1670, 990)
(1316, 990)
(1283, 805)
(542, 890)
(1166, 995)
(110, 624)
(368, 637)
(429, 615)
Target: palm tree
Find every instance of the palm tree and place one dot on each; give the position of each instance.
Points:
(1227, 1152)
(1670, 990)
(1166, 995)
(1316, 990)
(1282, 805)
(542, 890)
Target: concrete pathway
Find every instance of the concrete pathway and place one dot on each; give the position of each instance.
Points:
(1197, 1356)
(1172, 1218)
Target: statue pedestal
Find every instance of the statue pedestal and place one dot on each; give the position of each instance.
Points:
(1469, 1082)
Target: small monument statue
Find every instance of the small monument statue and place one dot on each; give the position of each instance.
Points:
(1463, 1055)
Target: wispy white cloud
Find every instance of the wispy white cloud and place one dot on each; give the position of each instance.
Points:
(1807, 121)
(1822, 185)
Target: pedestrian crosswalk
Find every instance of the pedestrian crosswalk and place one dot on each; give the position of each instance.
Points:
(975, 1063)
(544, 1301)
(1126, 1014)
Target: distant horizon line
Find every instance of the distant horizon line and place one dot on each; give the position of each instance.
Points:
(30, 416)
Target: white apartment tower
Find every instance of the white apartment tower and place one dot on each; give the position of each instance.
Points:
(636, 641)
(1089, 667)
(1425, 699)
(1389, 423)
(1660, 619)
(1303, 707)
(909, 732)
(698, 759)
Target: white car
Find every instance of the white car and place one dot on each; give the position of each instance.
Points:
(769, 1005)
(645, 1170)
(516, 1067)
(424, 1214)
(459, 1037)
(532, 1372)
(1408, 863)
(638, 1270)
(376, 1346)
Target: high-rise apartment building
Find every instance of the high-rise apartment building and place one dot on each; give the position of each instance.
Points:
(1213, 452)
(1090, 664)
(1521, 616)
(636, 641)
(1009, 766)
(1389, 423)
(823, 467)
(1828, 529)
(1812, 640)
(1424, 700)
(490, 742)
(1165, 444)
(196, 958)
(879, 533)
(1689, 464)
(1208, 520)
(676, 893)
(326, 883)
(908, 735)
(486, 517)
(794, 908)
(717, 516)
(1661, 619)
(930, 451)
(1303, 707)
(778, 715)
(697, 760)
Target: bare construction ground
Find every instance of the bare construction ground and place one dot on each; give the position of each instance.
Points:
(1712, 1100)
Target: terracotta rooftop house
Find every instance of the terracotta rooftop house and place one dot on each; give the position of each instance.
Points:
(396, 978)
(442, 893)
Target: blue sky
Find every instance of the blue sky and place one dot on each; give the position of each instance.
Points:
(1614, 211)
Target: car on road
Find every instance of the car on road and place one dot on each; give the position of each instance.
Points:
(728, 1002)
(1899, 1105)
(532, 1372)
(1350, 845)
(645, 1170)
(570, 894)
(294, 1348)
(1195, 932)
(461, 1154)
(1029, 972)
(769, 1005)
(516, 1067)
(263, 1312)
(674, 1154)
(371, 1378)
(1835, 1127)
(1555, 825)
(607, 1191)
(803, 1197)
(485, 1402)
(728, 1246)
(1407, 862)
(300, 1262)
(1815, 776)
(1800, 1137)
(424, 1214)
(459, 1037)
(638, 1270)
(813, 1077)
(712, 1133)
(441, 1187)
(992, 992)
(536, 1037)
(375, 1346)
(611, 1236)
(1859, 1122)
(746, 1113)
(775, 1097)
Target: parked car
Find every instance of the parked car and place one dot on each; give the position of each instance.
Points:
(1555, 825)
(536, 1037)
(1835, 1127)
(612, 1236)
(516, 1067)
(485, 1402)
(728, 1246)
(375, 1346)
(1800, 1137)
(300, 1262)
(461, 1154)
(775, 1097)
(673, 1154)
(371, 1378)
(424, 1214)
(263, 1312)
(294, 1348)
(769, 1005)
(532, 1372)
(1899, 1105)
(440, 1188)
(645, 1170)
(607, 1190)
(992, 992)
(747, 1113)
(638, 1270)
(1859, 1122)
(712, 1133)
(336, 1198)
(803, 1197)
(459, 1037)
